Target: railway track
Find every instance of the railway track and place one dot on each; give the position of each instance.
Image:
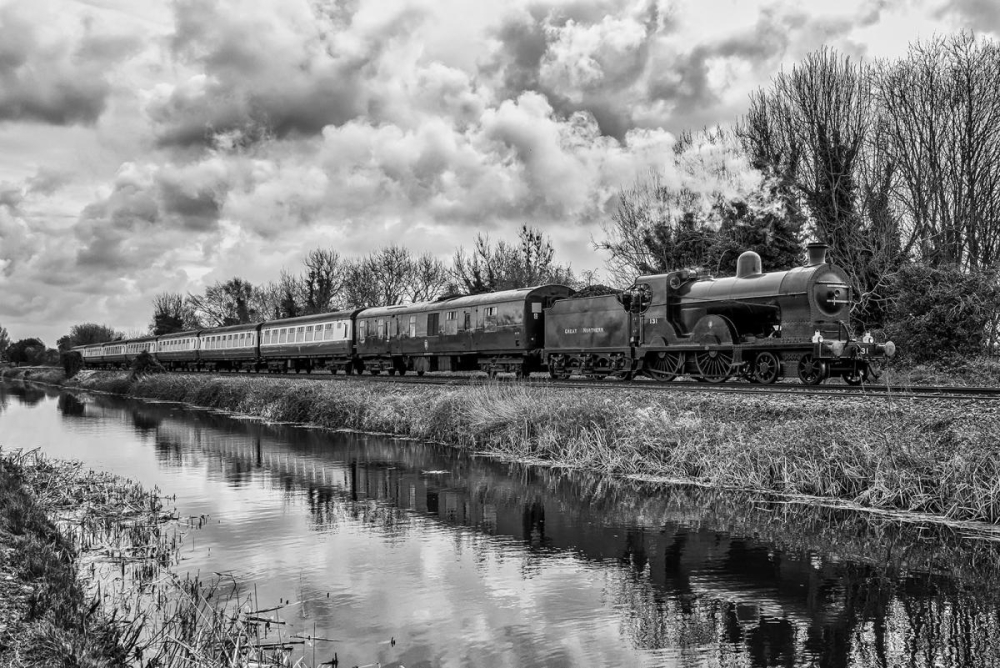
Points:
(780, 388)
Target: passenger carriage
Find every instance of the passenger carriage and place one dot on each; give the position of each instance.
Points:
(113, 354)
(229, 348)
(178, 350)
(92, 355)
(499, 331)
(135, 347)
(322, 341)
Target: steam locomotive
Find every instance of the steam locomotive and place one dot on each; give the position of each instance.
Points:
(759, 326)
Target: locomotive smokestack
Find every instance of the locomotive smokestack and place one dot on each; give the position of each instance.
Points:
(817, 253)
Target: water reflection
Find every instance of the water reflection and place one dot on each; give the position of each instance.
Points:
(564, 569)
(28, 394)
(70, 405)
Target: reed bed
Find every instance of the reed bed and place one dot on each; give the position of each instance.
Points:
(883, 453)
(94, 552)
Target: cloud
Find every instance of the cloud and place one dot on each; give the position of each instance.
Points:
(149, 210)
(281, 67)
(53, 68)
(979, 15)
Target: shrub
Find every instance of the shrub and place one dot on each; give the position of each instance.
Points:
(143, 365)
(942, 312)
(72, 362)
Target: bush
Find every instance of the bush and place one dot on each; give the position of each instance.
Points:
(143, 365)
(72, 362)
(941, 313)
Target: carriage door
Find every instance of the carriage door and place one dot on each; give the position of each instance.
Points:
(467, 325)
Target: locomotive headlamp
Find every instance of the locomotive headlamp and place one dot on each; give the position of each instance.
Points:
(867, 338)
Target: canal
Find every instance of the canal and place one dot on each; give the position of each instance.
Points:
(411, 554)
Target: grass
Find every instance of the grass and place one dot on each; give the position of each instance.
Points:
(59, 625)
(879, 453)
(93, 552)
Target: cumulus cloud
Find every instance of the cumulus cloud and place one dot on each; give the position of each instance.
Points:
(53, 69)
(149, 209)
(280, 66)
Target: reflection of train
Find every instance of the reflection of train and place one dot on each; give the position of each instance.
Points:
(759, 325)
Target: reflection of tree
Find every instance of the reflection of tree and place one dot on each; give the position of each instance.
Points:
(26, 393)
(70, 405)
(145, 421)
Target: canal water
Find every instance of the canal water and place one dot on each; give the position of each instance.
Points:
(410, 554)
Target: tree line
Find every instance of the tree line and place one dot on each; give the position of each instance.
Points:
(893, 163)
(386, 277)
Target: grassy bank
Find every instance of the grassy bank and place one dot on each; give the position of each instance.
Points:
(937, 458)
(85, 580)
(48, 618)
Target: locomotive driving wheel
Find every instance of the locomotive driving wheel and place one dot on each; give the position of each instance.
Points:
(714, 366)
(766, 368)
(664, 365)
(812, 371)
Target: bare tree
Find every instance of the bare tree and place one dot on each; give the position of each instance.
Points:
(941, 131)
(504, 266)
(4, 343)
(639, 209)
(172, 313)
(378, 279)
(813, 129)
(230, 303)
(322, 282)
(428, 278)
(290, 302)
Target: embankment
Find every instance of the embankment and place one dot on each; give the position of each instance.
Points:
(924, 456)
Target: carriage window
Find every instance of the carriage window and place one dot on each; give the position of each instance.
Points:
(328, 332)
(362, 326)
(380, 329)
(432, 324)
(490, 324)
(467, 325)
(300, 333)
(412, 333)
(309, 333)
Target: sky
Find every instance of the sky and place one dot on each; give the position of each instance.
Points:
(150, 147)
